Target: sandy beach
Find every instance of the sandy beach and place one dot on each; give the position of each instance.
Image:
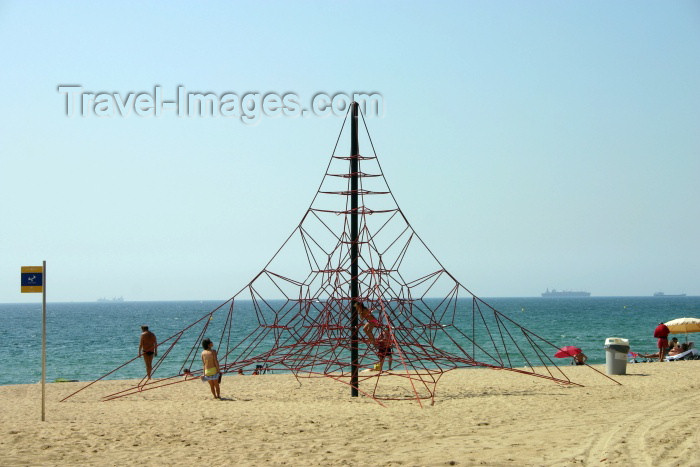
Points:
(480, 417)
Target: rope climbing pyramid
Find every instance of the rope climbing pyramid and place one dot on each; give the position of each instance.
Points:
(355, 295)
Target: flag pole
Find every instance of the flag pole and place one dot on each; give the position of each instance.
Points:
(43, 346)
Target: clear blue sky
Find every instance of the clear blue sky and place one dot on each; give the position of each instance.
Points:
(531, 144)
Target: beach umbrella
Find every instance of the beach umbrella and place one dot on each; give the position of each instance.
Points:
(683, 325)
(568, 351)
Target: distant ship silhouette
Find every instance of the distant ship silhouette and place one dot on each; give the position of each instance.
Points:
(115, 299)
(565, 293)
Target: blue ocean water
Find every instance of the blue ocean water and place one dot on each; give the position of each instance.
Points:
(86, 340)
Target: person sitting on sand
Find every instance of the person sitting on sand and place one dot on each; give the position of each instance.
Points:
(212, 371)
(371, 321)
(579, 359)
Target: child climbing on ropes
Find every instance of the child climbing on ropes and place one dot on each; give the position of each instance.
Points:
(212, 372)
(371, 321)
(385, 346)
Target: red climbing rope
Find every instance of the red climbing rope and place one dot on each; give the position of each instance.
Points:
(429, 323)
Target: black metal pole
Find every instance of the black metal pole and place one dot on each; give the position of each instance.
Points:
(354, 247)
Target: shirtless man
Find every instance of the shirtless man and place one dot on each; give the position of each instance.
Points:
(148, 347)
(211, 367)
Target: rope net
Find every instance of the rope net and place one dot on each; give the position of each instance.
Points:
(425, 322)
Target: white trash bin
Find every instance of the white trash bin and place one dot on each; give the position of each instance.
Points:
(616, 350)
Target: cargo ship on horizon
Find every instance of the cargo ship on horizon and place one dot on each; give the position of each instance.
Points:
(565, 293)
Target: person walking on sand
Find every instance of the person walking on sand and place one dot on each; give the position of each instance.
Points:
(148, 348)
(212, 372)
